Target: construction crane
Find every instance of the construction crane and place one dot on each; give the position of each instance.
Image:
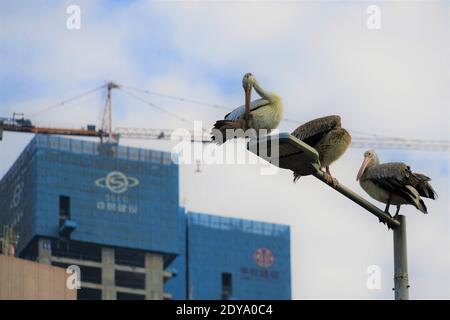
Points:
(19, 124)
(8, 125)
(106, 133)
(106, 130)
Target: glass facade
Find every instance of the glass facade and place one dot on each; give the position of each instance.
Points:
(228, 258)
(126, 198)
(85, 196)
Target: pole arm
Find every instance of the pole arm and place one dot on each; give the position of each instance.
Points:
(383, 216)
(297, 156)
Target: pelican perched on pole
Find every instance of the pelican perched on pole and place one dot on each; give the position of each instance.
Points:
(264, 113)
(328, 138)
(394, 183)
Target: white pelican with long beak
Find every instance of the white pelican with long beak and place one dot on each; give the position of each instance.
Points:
(264, 113)
(329, 139)
(394, 183)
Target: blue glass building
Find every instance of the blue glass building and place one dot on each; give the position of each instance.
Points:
(114, 211)
(228, 258)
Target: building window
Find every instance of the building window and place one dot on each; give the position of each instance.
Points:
(129, 296)
(129, 257)
(128, 279)
(226, 285)
(89, 294)
(64, 207)
(77, 250)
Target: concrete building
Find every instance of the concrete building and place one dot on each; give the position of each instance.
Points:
(26, 280)
(114, 212)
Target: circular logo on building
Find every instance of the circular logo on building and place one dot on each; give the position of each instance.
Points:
(263, 257)
(117, 182)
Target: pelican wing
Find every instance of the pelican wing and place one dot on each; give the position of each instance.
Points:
(239, 112)
(423, 186)
(396, 171)
(394, 177)
(313, 131)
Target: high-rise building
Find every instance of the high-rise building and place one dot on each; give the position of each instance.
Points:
(226, 258)
(114, 212)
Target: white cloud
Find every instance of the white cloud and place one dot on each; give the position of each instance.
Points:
(373, 78)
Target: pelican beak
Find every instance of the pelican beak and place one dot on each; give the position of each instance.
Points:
(363, 168)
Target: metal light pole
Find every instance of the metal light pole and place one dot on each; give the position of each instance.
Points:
(400, 261)
(294, 154)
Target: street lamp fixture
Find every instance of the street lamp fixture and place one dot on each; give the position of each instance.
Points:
(293, 154)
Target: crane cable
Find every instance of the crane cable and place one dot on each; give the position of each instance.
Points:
(64, 102)
(181, 99)
(151, 104)
(126, 89)
(359, 136)
(217, 106)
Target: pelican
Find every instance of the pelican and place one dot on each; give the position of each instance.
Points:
(328, 138)
(394, 183)
(264, 113)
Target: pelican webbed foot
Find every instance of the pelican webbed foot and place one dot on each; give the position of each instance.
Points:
(385, 223)
(330, 179)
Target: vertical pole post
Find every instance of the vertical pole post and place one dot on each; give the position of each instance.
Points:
(110, 86)
(401, 288)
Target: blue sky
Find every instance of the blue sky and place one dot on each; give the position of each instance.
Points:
(319, 56)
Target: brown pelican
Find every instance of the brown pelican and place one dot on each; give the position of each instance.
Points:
(394, 183)
(328, 138)
(264, 113)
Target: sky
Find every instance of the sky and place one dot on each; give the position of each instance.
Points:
(319, 56)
